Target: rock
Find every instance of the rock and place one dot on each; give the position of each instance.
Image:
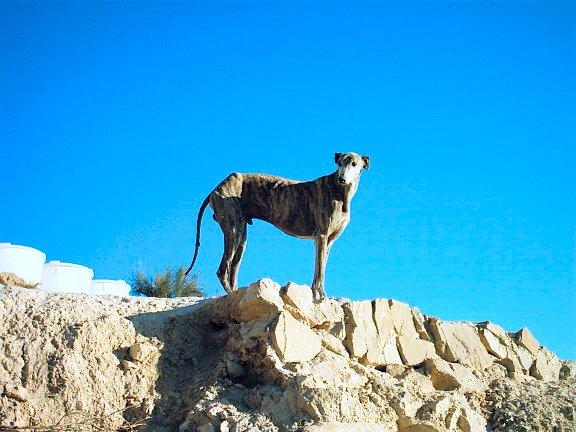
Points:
(206, 428)
(361, 334)
(214, 412)
(389, 352)
(546, 367)
(294, 341)
(186, 426)
(403, 319)
(518, 361)
(234, 369)
(298, 301)
(333, 344)
(16, 392)
(194, 362)
(417, 383)
(495, 339)
(436, 415)
(383, 319)
(420, 325)
(459, 342)
(451, 376)
(260, 299)
(568, 370)
(525, 339)
(396, 370)
(345, 427)
(450, 412)
(471, 421)
(328, 315)
(298, 296)
(386, 333)
(140, 351)
(525, 358)
(12, 280)
(127, 365)
(414, 351)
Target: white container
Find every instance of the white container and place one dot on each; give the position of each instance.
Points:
(23, 261)
(110, 287)
(66, 278)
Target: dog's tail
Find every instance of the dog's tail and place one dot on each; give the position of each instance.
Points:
(198, 223)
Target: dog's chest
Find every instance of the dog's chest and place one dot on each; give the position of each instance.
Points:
(338, 219)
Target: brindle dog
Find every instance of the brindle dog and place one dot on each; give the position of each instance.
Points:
(317, 209)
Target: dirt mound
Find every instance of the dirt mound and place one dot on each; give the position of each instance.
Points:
(267, 358)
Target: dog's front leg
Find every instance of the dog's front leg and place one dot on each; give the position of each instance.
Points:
(321, 243)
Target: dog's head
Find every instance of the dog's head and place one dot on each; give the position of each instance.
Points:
(350, 166)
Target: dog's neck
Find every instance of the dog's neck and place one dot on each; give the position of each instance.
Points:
(345, 191)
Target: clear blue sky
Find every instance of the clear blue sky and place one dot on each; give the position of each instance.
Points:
(117, 119)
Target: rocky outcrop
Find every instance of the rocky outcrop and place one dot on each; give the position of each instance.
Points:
(263, 358)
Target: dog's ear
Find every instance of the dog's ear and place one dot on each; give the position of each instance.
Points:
(366, 160)
(337, 158)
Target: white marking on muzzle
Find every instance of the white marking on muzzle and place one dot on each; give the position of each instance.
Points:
(348, 173)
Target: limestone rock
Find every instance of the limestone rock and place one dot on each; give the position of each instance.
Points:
(403, 319)
(451, 376)
(389, 352)
(195, 364)
(525, 339)
(361, 334)
(414, 351)
(329, 315)
(298, 296)
(471, 421)
(567, 370)
(294, 341)
(260, 299)
(546, 367)
(445, 413)
(298, 301)
(459, 342)
(396, 370)
(524, 356)
(333, 344)
(345, 427)
(386, 333)
(235, 369)
(141, 350)
(383, 319)
(16, 392)
(12, 280)
(517, 361)
(420, 325)
(495, 339)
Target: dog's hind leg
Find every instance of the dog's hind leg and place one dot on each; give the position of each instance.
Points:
(240, 244)
(224, 267)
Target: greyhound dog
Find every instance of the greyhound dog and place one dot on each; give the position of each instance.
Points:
(317, 209)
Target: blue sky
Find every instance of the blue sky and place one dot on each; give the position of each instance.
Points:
(117, 119)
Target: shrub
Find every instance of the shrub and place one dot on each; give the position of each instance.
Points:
(171, 283)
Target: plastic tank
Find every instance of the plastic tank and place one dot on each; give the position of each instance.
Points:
(66, 277)
(23, 261)
(110, 287)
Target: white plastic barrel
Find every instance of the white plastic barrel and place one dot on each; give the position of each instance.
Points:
(23, 261)
(66, 277)
(110, 287)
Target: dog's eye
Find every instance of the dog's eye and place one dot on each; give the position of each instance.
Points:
(353, 163)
